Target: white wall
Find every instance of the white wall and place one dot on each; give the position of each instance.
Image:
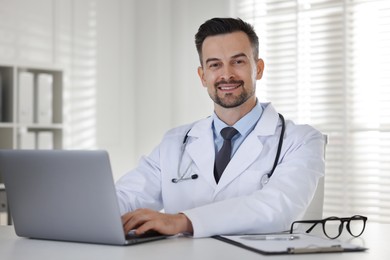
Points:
(116, 81)
(147, 73)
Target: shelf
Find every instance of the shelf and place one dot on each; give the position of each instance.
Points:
(40, 126)
(6, 125)
(31, 106)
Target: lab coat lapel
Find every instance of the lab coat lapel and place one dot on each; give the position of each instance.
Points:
(251, 148)
(248, 152)
(201, 149)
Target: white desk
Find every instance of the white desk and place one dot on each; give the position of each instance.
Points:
(376, 238)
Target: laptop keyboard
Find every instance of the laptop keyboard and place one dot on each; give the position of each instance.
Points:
(151, 235)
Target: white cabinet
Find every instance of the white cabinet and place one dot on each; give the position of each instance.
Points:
(31, 113)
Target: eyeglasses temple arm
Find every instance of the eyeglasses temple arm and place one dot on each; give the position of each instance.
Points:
(311, 228)
(315, 222)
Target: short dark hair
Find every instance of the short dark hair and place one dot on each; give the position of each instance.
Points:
(217, 26)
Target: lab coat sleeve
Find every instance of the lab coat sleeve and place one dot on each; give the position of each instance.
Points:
(141, 187)
(281, 201)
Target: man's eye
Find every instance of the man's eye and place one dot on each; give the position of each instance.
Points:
(214, 65)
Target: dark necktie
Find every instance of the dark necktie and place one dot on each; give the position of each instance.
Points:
(223, 156)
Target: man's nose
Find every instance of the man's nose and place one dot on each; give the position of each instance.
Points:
(227, 73)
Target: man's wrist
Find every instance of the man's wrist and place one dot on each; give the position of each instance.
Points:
(187, 224)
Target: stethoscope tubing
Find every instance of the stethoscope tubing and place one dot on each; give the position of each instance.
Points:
(195, 176)
(280, 144)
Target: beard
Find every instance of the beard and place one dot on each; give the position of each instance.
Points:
(229, 100)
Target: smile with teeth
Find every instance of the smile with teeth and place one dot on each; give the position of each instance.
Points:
(228, 87)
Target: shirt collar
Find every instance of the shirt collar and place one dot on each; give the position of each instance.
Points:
(244, 125)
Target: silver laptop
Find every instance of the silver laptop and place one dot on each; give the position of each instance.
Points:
(64, 195)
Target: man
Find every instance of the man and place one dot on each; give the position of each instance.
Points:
(183, 175)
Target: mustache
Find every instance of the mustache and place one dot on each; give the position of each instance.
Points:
(240, 82)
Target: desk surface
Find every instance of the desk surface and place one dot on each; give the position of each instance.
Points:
(375, 237)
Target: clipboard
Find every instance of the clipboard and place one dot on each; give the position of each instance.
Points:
(284, 244)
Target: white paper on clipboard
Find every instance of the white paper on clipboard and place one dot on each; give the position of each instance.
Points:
(282, 244)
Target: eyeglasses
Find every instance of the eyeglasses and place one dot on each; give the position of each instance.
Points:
(355, 225)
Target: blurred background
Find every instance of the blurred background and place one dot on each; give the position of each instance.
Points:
(129, 70)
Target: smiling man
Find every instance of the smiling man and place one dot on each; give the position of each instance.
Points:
(242, 170)
(229, 72)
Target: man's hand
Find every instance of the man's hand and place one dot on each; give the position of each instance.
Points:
(143, 220)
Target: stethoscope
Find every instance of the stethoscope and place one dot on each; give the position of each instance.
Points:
(264, 180)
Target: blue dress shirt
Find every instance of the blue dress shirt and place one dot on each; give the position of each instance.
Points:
(244, 126)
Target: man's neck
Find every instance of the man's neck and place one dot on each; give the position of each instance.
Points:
(231, 115)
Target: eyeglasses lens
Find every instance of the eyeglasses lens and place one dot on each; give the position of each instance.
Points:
(333, 227)
(356, 226)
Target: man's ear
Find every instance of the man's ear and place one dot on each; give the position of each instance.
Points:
(260, 68)
(201, 75)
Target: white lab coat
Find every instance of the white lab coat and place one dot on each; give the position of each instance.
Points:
(238, 203)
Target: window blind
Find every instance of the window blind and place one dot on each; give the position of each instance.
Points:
(327, 64)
